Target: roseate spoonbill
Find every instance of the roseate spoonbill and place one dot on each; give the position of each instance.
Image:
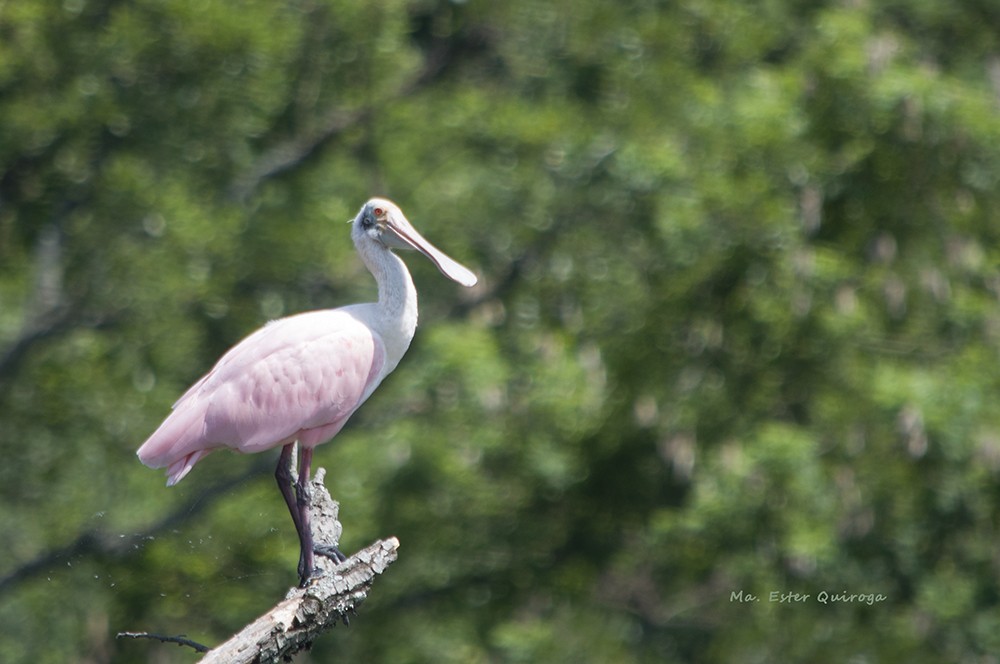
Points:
(300, 378)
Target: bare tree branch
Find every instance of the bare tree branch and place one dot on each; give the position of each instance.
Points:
(58, 322)
(293, 624)
(47, 313)
(98, 542)
(180, 640)
(331, 597)
(292, 152)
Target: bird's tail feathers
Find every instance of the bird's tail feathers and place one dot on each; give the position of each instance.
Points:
(183, 466)
(177, 445)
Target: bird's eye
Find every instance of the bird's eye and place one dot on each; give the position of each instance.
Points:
(378, 212)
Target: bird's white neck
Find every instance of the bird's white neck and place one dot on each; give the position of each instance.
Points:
(395, 314)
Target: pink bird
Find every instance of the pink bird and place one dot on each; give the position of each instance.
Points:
(300, 378)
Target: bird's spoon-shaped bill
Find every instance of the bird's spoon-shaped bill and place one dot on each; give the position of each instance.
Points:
(449, 267)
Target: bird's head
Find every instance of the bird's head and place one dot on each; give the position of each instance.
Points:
(381, 221)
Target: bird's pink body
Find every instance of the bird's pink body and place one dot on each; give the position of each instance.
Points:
(296, 379)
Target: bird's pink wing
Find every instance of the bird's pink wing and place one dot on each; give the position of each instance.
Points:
(297, 378)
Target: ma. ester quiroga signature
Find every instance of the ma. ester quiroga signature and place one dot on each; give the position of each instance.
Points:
(821, 597)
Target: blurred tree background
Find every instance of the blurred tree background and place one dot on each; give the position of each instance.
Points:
(736, 331)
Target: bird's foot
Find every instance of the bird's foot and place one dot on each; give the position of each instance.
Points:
(331, 552)
(306, 579)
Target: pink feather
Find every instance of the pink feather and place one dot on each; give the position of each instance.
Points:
(299, 378)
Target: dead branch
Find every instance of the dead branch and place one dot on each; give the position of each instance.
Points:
(290, 153)
(331, 597)
(98, 542)
(180, 639)
(297, 621)
(305, 613)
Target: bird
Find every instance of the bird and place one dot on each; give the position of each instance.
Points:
(300, 378)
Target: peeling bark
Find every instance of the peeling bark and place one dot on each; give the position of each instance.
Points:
(331, 597)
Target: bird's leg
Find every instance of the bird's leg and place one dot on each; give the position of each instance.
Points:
(283, 474)
(297, 498)
(304, 501)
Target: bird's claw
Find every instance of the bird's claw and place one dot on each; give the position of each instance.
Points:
(316, 573)
(331, 552)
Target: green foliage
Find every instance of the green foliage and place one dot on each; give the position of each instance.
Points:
(735, 331)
